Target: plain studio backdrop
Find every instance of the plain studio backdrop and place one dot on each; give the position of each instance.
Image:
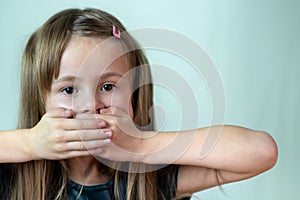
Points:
(255, 46)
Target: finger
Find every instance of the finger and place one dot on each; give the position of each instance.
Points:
(87, 145)
(72, 154)
(106, 110)
(113, 110)
(81, 124)
(87, 135)
(60, 112)
(85, 116)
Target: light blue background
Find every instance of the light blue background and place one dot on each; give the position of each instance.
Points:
(254, 44)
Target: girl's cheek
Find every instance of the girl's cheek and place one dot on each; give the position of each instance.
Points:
(123, 101)
(64, 105)
(130, 110)
(53, 104)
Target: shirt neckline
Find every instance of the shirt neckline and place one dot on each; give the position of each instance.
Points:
(102, 186)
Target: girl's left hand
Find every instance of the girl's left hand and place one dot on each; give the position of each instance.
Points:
(127, 143)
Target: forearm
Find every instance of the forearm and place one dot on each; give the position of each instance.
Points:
(237, 149)
(14, 146)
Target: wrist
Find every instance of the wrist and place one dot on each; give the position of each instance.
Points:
(160, 148)
(27, 144)
(151, 146)
(139, 147)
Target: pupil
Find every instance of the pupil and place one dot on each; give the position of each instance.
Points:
(107, 87)
(69, 90)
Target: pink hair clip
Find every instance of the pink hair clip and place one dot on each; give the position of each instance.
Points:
(116, 32)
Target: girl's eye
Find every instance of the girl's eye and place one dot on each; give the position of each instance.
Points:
(69, 90)
(107, 87)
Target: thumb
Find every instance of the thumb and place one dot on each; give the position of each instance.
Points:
(60, 112)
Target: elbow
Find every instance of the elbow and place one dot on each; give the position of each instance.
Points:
(269, 153)
(273, 152)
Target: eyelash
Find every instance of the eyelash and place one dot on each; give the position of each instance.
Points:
(64, 90)
(71, 90)
(111, 85)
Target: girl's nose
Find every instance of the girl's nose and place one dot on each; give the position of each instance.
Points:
(91, 104)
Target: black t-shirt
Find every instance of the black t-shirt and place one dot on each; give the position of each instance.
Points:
(99, 192)
(167, 182)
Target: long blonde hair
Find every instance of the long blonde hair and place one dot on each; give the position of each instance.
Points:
(45, 179)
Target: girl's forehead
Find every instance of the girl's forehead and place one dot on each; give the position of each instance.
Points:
(89, 57)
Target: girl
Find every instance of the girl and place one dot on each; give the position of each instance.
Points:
(78, 103)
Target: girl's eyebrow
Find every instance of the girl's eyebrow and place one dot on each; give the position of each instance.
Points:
(73, 78)
(109, 74)
(65, 78)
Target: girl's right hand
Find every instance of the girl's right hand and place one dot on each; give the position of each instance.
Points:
(58, 136)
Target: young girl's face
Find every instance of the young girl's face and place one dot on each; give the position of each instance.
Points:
(90, 78)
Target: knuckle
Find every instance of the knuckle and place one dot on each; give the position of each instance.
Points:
(59, 137)
(60, 147)
(58, 124)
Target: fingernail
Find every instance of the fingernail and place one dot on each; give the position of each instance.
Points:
(102, 123)
(104, 110)
(67, 111)
(108, 133)
(106, 141)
